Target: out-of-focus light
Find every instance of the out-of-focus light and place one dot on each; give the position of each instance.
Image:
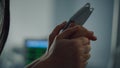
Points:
(37, 43)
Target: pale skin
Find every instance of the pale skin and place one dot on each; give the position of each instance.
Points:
(67, 49)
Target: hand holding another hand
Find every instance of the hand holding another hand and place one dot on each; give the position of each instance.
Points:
(71, 47)
(67, 49)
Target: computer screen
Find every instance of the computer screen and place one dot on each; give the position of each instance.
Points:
(35, 49)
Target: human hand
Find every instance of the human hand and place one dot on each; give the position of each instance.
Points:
(67, 49)
(71, 47)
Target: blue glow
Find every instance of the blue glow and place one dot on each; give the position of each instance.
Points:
(37, 43)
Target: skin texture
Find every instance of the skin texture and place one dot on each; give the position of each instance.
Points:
(67, 49)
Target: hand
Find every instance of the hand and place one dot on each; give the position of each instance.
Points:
(67, 49)
(71, 47)
(81, 32)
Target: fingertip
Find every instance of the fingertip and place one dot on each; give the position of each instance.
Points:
(93, 38)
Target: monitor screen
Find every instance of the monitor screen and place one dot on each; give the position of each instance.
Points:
(36, 43)
(35, 49)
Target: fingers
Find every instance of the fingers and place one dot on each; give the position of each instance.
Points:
(91, 36)
(81, 31)
(83, 46)
(83, 40)
(84, 60)
(67, 33)
(87, 33)
(84, 49)
(75, 31)
(55, 32)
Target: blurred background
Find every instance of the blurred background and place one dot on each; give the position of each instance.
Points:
(33, 20)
